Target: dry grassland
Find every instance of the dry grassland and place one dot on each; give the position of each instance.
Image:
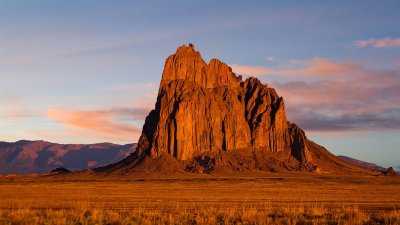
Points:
(275, 200)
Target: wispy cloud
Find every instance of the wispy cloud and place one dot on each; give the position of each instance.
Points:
(299, 68)
(251, 70)
(378, 43)
(316, 67)
(15, 107)
(112, 122)
(323, 95)
(132, 86)
(270, 58)
(342, 96)
(17, 112)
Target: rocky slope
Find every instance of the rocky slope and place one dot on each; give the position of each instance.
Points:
(26, 157)
(208, 120)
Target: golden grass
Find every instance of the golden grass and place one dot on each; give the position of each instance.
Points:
(288, 200)
(200, 216)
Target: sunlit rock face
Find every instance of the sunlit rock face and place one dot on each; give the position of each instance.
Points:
(204, 108)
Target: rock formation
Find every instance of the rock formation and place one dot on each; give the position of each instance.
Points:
(205, 107)
(390, 172)
(60, 170)
(207, 118)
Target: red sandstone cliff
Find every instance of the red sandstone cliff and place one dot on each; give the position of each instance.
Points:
(207, 119)
(205, 107)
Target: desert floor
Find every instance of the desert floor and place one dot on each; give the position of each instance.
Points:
(274, 200)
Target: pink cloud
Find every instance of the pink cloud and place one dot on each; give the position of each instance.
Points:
(251, 70)
(317, 67)
(378, 43)
(331, 105)
(300, 68)
(340, 96)
(101, 123)
(322, 95)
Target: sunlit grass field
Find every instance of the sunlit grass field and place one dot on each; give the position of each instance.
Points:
(275, 200)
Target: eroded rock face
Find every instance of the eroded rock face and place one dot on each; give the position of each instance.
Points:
(390, 172)
(204, 108)
(298, 147)
(187, 64)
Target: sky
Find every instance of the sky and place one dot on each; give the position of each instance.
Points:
(88, 71)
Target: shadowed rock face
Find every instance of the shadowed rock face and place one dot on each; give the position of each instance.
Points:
(203, 108)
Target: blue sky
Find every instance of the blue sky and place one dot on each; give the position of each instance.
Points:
(336, 63)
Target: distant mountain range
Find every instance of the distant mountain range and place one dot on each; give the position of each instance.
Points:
(26, 157)
(362, 163)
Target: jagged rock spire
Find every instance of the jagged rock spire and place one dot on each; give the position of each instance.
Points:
(187, 64)
(203, 108)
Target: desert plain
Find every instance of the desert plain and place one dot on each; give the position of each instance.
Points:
(272, 199)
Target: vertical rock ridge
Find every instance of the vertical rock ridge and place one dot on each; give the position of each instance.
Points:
(203, 108)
